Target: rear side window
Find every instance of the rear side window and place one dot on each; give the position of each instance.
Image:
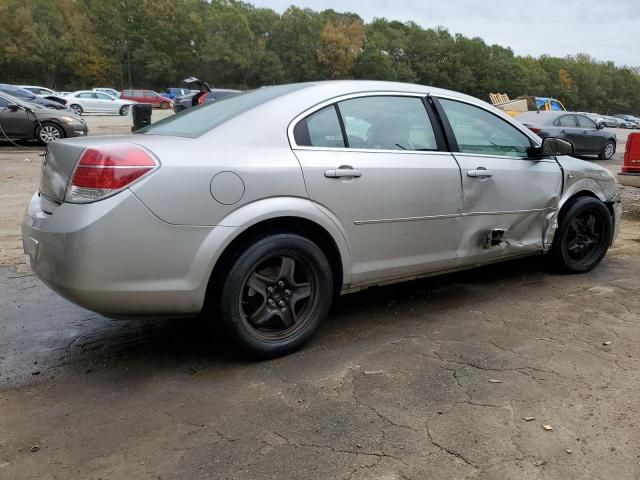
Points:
(127, 93)
(320, 129)
(198, 120)
(387, 123)
(478, 131)
(566, 121)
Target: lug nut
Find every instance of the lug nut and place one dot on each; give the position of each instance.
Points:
(272, 303)
(281, 283)
(282, 303)
(270, 289)
(287, 292)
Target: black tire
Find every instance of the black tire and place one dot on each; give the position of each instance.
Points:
(77, 109)
(608, 151)
(164, 105)
(623, 125)
(584, 235)
(48, 132)
(124, 110)
(287, 305)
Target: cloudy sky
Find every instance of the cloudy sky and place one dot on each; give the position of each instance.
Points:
(604, 29)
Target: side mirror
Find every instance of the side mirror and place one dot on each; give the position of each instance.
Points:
(599, 125)
(552, 146)
(13, 107)
(557, 146)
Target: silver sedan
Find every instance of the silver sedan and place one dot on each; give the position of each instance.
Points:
(256, 210)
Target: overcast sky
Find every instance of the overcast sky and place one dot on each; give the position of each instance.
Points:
(606, 30)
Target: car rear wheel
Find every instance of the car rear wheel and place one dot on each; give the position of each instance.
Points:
(124, 110)
(584, 235)
(608, 151)
(48, 132)
(77, 109)
(164, 105)
(276, 295)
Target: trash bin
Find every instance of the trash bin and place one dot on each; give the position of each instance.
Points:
(141, 113)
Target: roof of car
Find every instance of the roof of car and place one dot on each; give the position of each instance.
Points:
(544, 117)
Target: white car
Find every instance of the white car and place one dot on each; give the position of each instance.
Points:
(88, 101)
(108, 91)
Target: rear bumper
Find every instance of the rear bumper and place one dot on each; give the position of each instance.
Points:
(629, 179)
(118, 259)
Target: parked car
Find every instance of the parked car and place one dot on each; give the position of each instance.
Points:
(589, 137)
(613, 122)
(109, 91)
(42, 91)
(204, 94)
(174, 92)
(265, 205)
(88, 101)
(147, 96)
(30, 97)
(28, 121)
(631, 121)
(630, 173)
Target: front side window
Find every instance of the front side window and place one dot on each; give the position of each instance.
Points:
(137, 93)
(586, 122)
(3, 103)
(387, 123)
(478, 131)
(103, 96)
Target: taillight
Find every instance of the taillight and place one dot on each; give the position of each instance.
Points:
(105, 170)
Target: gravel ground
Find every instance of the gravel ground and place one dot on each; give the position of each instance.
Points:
(448, 378)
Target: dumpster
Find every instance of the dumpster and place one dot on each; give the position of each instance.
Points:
(141, 113)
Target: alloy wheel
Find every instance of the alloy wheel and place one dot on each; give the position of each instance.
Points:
(584, 236)
(278, 296)
(609, 150)
(49, 133)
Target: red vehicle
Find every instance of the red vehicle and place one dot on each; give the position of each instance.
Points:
(630, 174)
(147, 96)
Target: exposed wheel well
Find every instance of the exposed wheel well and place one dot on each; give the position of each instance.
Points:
(300, 226)
(582, 193)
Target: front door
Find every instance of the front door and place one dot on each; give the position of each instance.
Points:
(374, 162)
(508, 198)
(594, 139)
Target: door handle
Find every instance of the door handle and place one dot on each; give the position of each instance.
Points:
(344, 171)
(479, 173)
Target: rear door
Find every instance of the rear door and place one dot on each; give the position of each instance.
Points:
(377, 163)
(509, 199)
(88, 101)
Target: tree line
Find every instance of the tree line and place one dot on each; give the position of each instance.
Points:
(73, 44)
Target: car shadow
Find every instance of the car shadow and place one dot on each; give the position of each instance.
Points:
(103, 345)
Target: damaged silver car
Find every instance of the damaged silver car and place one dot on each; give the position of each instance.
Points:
(255, 210)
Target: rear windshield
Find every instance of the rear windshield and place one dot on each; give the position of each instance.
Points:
(196, 121)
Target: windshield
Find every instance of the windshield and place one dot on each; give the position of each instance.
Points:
(203, 118)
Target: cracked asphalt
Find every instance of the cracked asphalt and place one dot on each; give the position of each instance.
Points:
(431, 379)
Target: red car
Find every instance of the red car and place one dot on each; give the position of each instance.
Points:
(147, 96)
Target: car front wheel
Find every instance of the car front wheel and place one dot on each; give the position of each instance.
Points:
(584, 235)
(48, 132)
(164, 105)
(276, 295)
